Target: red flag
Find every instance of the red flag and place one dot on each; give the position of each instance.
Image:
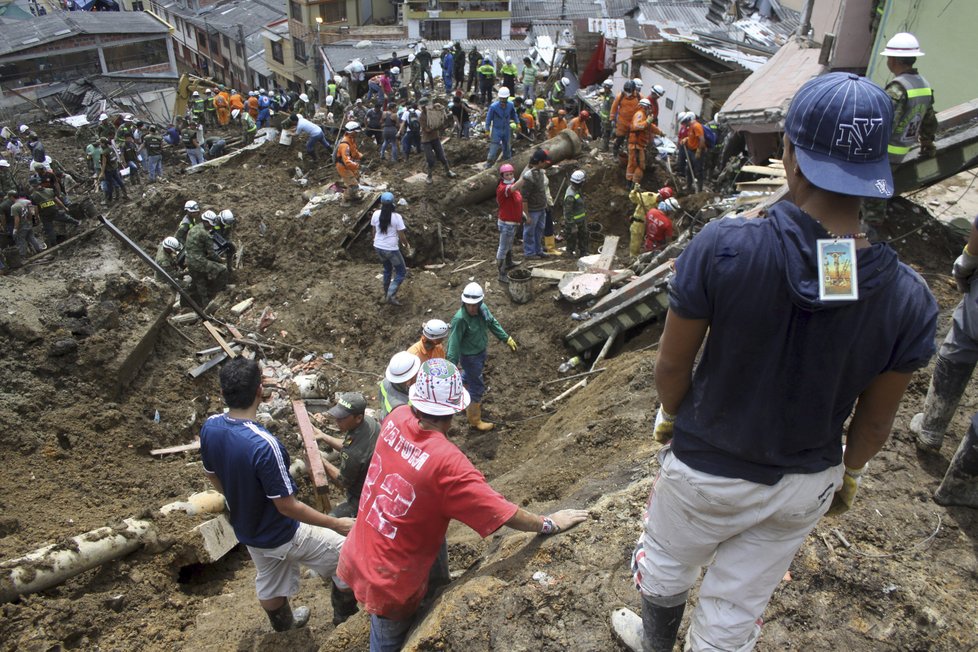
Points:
(595, 71)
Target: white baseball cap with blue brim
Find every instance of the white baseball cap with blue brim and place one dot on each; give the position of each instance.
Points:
(840, 125)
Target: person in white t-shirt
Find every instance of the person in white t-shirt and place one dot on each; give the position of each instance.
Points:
(389, 236)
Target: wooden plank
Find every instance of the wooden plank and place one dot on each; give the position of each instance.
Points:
(465, 267)
(361, 222)
(607, 254)
(235, 333)
(183, 448)
(200, 370)
(73, 239)
(553, 274)
(220, 340)
(761, 169)
(317, 474)
(185, 318)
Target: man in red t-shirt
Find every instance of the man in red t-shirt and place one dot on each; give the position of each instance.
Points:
(417, 483)
(511, 215)
(658, 226)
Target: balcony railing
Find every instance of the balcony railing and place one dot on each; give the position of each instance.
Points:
(455, 8)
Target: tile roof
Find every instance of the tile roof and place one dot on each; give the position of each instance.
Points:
(17, 35)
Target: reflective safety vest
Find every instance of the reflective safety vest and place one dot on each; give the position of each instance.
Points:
(574, 210)
(906, 124)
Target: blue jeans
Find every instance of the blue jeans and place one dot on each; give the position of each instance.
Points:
(507, 232)
(393, 263)
(533, 229)
(154, 166)
(372, 90)
(410, 139)
(448, 82)
(497, 143)
(472, 374)
(196, 155)
(388, 635)
(311, 144)
(390, 139)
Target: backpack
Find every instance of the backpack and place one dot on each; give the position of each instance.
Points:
(414, 125)
(435, 117)
(709, 135)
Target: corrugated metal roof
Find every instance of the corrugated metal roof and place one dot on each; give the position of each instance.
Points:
(253, 15)
(17, 35)
(526, 11)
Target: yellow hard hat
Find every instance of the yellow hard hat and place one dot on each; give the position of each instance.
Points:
(540, 103)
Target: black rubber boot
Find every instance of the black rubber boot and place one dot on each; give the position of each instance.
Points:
(661, 625)
(947, 385)
(501, 266)
(344, 604)
(960, 484)
(509, 261)
(284, 619)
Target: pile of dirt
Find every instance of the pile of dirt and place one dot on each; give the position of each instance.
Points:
(75, 447)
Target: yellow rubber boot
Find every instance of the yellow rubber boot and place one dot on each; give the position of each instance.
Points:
(550, 246)
(474, 413)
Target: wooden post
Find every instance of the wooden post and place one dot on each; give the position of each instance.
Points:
(317, 473)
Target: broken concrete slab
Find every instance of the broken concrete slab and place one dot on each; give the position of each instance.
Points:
(214, 539)
(584, 287)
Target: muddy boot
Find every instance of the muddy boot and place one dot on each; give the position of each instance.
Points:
(501, 266)
(474, 413)
(550, 246)
(344, 604)
(448, 171)
(661, 624)
(946, 387)
(960, 484)
(284, 619)
(510, 263)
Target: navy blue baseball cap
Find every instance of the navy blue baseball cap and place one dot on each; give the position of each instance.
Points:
(840, 125)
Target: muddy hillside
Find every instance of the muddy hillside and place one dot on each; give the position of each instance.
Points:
(95, 370)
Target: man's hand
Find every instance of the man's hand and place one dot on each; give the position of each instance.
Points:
(511, 343)
(565, 519)
(964, 269)
(927, 150)
(344, 525)
(662, 431)
(842, 500)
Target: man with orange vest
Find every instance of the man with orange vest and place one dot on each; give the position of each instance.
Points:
(638, 139)
(235, 101)
(347, 160)
(579, 125)
(252, 104)
(622, 111)
(557, 124)
(692, 149)
(223, 109)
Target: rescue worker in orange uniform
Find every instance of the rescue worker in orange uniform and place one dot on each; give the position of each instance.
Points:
(252, 104)
(557, 124)
(622, 111)
(638, 139)
(347, 160)
(223, 109)
(579, 125)
(236, 101)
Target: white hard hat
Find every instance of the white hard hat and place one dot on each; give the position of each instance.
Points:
(578, 177)
(645, 101)
(172, 244)
(509, 59)
(472, 293)
(503, 92)
(329, 100)
(210, 217)
(686, 116)
(608, 83)
(195, 94)
(352, 125)
(303, 97)
(903, 44)
(210, 91)
(402, 367)
(638, 82)
(262, 90)
(191, 206)
(410, 58)
(658, 90)
(435, 329)
(395, 70)
(23, 129)
(103, 116)
(4, 163)
(438, 389)
(227, 217)
(309, 81)
(235, 113)
(672, 204)
(565, 81)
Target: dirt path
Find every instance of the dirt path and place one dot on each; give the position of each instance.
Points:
(75, 448)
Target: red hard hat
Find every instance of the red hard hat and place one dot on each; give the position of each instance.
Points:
(585, 115)
(665, 193)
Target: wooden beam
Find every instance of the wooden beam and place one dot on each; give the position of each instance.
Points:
(200, 370)
(192, 446)
(607, 254)
(317, 473)
(220, 340)
(58, 247)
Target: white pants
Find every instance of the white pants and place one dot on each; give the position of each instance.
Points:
(747, 533)
(315, 547)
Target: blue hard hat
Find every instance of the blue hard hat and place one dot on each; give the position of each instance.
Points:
(387, 198)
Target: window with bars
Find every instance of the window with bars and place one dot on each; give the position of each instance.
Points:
(436, 29)
(295, 11)
(299, 49)
(277, 51)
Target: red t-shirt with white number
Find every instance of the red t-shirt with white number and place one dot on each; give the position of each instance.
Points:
(417, 483)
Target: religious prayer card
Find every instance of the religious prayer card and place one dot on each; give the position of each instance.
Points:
(837, 280)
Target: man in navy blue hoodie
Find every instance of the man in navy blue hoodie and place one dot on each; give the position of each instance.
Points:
(756, 427)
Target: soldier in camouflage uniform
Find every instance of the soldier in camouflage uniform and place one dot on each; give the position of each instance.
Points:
(169, 259)
(208, 272)
(7, 181)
